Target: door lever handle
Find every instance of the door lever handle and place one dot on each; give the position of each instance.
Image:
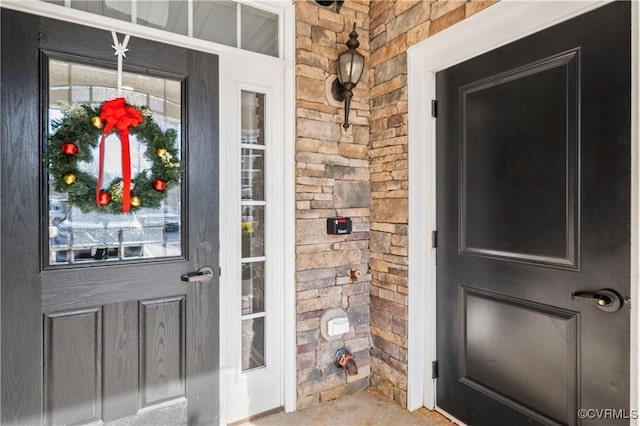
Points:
(204, 275)
(605, 299)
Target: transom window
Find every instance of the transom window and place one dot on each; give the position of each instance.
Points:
(219, 21)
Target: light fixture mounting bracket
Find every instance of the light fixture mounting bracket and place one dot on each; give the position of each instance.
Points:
(334, 5)
(337, 90)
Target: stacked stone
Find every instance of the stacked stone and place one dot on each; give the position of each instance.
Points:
(395, 26)
(332, 178)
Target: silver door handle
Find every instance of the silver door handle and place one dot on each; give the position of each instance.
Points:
(204, 275)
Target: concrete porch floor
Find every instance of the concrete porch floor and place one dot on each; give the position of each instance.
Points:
(364, 408)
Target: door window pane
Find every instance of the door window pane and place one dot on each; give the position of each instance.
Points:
(252, 288)
(152, 228)
(215, 21)
(119, 9)
(252, 174)
(252, 118)
(252, 231)
(259, 31)
(253, 343)
(168, 15)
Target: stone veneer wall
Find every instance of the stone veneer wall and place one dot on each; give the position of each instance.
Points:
(332, 178)
(394, 26)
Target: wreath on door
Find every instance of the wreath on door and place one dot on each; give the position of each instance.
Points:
(82, 129)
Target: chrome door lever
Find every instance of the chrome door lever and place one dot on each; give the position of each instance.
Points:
(204, 275)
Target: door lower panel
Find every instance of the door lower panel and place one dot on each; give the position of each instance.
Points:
(521, 353)
(134, 351)
(73, 366)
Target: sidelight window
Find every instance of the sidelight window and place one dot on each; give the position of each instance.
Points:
(253, 208)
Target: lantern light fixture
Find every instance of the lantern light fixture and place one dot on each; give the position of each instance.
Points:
(350, 68)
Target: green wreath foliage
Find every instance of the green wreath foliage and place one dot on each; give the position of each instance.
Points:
(76, 127)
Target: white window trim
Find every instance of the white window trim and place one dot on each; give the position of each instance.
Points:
(495, 26)
(286, 40)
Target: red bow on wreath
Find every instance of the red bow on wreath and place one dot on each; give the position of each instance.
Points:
(117, 114)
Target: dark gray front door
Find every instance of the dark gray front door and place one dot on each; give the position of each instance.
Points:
(99, 331)
(533, 178)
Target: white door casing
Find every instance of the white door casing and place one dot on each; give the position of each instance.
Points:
(261, 389)
(495, 26)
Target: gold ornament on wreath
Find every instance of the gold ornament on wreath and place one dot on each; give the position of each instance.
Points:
(82, 129)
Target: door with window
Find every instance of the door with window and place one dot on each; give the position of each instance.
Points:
(533, 193)
(107, 316)
(252, 173)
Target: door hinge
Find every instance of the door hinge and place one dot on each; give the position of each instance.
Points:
(434, 108)
(434, 369)
(434, 239)
(219, 271)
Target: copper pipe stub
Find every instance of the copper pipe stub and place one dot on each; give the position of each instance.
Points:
(344, 359)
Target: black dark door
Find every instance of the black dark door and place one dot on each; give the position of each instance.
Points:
(533, 178)
(99, 326)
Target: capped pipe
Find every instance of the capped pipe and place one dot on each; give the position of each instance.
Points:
(344, 359)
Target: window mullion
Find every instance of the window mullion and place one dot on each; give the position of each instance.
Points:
(190, 18)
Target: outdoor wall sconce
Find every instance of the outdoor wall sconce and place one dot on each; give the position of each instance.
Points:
(334, 5)
(350, 67)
